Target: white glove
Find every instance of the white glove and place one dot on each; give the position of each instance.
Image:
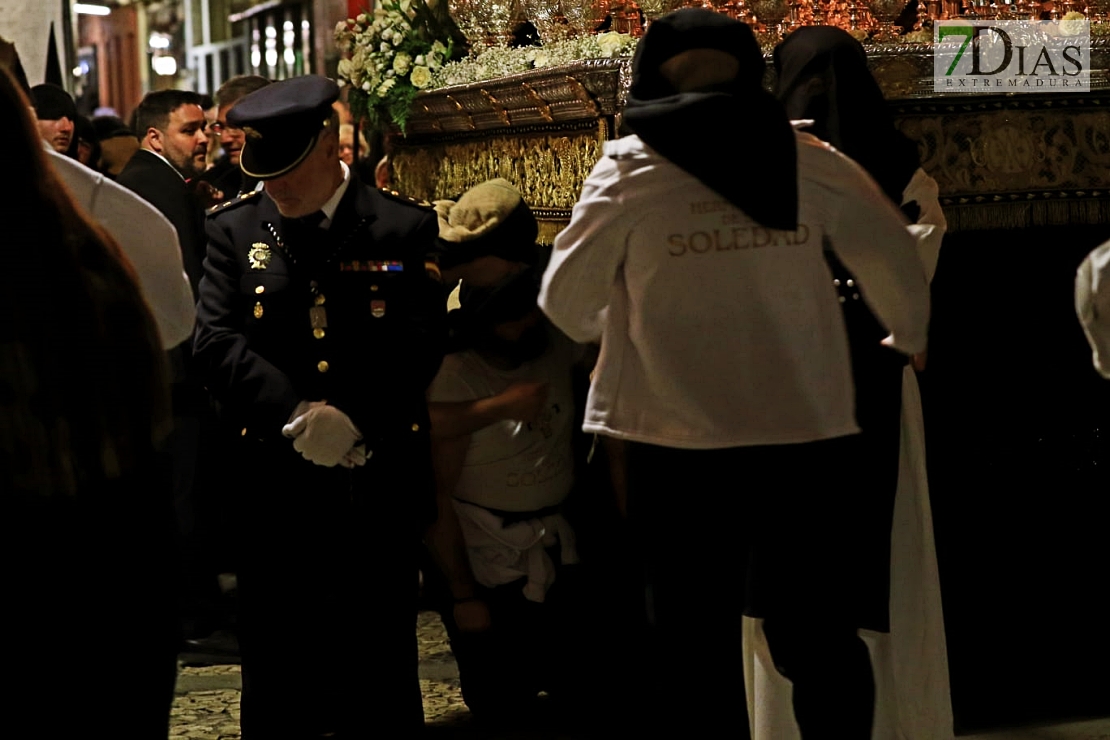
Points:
(357, 457)
(323, 435)
(301, 409)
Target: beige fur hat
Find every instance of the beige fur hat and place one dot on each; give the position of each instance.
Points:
(489, 219)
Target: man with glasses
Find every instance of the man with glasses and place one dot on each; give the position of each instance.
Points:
(225, 175)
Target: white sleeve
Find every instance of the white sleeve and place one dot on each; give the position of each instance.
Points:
(869, 235)
(1092, 304)
(148, 240)
(931, 223)
(586, 258)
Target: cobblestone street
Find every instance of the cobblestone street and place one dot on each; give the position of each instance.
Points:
(207, 703)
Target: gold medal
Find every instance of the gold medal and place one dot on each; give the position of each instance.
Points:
(318, 317)
(258, 310)
(260, 255)
(377, 309)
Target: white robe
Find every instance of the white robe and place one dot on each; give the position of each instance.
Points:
(912, 699)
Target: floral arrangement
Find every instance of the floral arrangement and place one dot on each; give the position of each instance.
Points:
(1072, 23)
(498, 62)
(390, 55)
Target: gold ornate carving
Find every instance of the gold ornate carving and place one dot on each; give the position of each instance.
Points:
(1006, 160)
(972, 153)
(549, 167)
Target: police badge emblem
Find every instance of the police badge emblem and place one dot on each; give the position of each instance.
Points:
(260, 255)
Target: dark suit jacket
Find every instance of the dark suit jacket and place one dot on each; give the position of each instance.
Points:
(157, 182)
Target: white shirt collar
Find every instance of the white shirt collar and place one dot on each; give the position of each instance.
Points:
(332, 203)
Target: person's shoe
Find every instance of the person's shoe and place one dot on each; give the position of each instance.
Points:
(221, 647)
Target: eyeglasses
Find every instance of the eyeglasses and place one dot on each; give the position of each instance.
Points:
(219, 128)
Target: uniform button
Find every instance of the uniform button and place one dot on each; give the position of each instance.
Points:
(373, 288)
(850, 283)
(855, 296)
(318, 333)
(322, 366)
(260, 289)
(416, 427)
(842, 299)
(243, 433)
(836, 282)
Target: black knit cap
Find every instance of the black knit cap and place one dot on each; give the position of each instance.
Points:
(53, 103)
(281, 122)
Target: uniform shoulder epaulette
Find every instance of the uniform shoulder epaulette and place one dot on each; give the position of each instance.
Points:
(221, 207)
(402, 198)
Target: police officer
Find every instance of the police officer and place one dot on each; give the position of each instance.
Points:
(319, 328)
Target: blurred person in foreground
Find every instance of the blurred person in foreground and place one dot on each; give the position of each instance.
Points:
(147, 239)
(85, 416)
(724, 366)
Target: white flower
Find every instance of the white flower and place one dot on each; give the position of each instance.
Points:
(610, 43)
(541, 59)
(401, 63)
(341, 83)
(421, 77)
(1072, 24)
(387, 34)
(438, 48)
(363, 18)
(386, 86)
(385, 48)
(344, 68)
(366, 86)
(419, 60)
(390, 73)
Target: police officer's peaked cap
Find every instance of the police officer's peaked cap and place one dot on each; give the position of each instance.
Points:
(281, 123)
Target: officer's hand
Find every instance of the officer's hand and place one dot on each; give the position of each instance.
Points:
(523, 400)
(471, 615)
(295, 427)
(327, 435)
(356, 457)
(208, 194)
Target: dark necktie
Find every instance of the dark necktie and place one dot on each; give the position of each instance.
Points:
(313, 220)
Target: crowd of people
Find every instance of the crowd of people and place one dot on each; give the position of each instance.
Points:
(238, 374)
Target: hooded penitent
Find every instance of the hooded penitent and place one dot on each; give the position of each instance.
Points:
(822, 75)
(732, 135)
